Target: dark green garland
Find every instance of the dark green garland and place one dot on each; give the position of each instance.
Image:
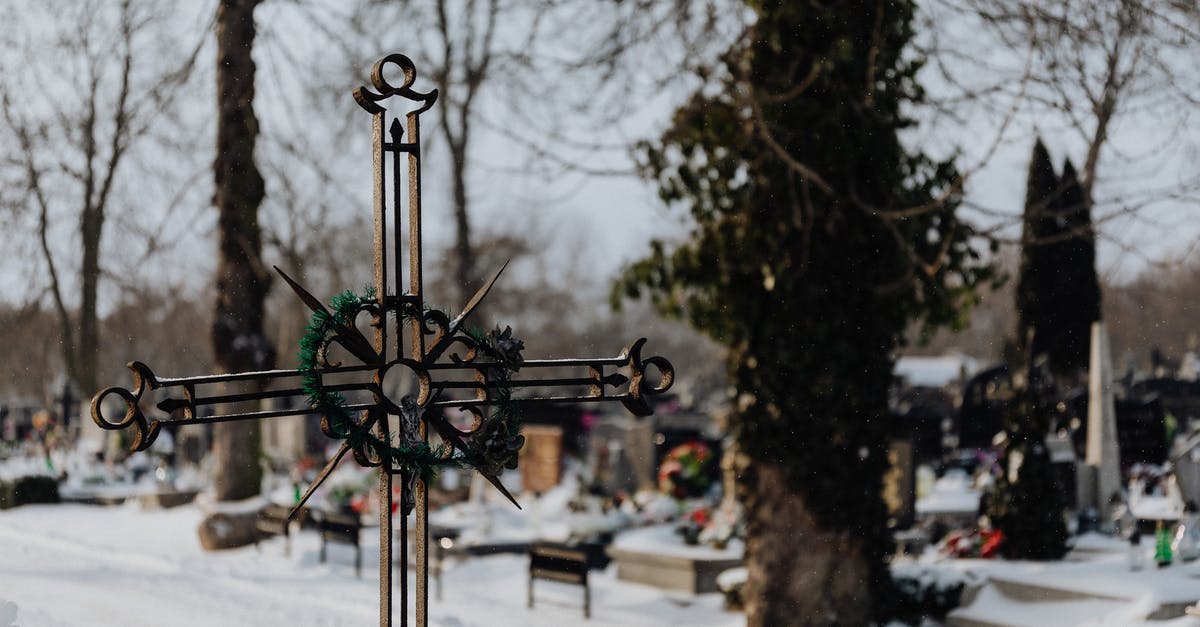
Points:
(493, 447)
(498, 440)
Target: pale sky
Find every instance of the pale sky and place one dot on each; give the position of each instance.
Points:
(599, 223)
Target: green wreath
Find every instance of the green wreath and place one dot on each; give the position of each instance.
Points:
(490, 448)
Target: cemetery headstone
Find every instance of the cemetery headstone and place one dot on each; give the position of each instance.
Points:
(541, 457)
(900, 484)
(1103, 457)
(629, 445)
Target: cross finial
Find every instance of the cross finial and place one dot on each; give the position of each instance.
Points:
(368, 99)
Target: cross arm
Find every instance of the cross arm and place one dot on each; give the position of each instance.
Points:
(597, 379)
(186, 399)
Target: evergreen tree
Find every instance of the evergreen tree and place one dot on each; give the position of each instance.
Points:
(1036, 282)
(818, 239)
(1058, 295)
(1027, 504)
(1077, 295)
(1058, 298)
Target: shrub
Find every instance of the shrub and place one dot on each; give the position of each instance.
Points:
(922, 593)
(28, 489)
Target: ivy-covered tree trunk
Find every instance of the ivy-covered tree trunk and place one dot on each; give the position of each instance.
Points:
(818, 240)
(801, 572)
(242, 281)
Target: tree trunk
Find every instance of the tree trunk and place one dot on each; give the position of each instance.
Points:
(799, 574)
(465, 266)
(237, 334)
(87, 352)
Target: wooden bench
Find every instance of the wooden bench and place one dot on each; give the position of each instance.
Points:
(273, 520)
(564, 563)
(343, 528)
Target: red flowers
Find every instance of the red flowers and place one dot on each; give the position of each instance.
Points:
(984, 543)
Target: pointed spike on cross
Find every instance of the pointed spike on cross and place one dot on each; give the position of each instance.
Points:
(352, 339)
(480, 294)
(444, 342)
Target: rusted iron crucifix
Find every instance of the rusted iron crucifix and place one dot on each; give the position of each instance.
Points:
(415, 349)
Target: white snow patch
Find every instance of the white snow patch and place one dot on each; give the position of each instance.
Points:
(953, 493)
(662, 540)
(77, 565)
(936, 371)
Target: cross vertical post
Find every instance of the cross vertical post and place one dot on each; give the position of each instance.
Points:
(379, 267)
(416, 290)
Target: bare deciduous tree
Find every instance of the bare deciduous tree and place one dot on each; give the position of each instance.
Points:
(79, 93)
(1075, 71)
(242, 278)
(547, 85)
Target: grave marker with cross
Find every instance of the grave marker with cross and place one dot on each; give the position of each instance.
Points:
(476, 382)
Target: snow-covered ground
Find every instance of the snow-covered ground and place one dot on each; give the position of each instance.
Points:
(1095, 585)
(80, 565)
(954, 493)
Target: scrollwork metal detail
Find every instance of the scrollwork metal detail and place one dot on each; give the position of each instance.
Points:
(146, 431)
(350, 339)
(634, 400)
(367, 99)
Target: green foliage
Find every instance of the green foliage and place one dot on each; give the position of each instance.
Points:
(1058, 294)
(492, 448)
(28, 489)
(1027, 504)
(1078, 288)
(1036, 279)
(1058, 298)
(818, 239)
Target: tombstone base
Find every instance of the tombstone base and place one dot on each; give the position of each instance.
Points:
(657, 557)
(1085, 487)
(166, 500)
(223, 530)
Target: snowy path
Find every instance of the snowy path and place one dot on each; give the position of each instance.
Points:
(76, 565)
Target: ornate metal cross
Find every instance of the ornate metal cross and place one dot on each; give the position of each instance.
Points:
(440, 379)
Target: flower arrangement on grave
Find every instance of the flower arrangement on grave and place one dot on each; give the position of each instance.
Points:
(727, 522)
(686, 470)
(693, 524)
(976, 542)
(715, 526)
